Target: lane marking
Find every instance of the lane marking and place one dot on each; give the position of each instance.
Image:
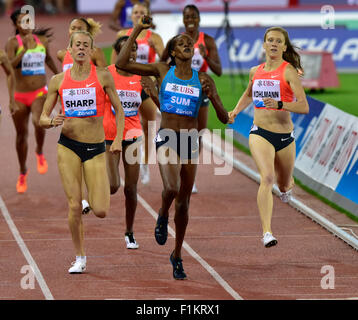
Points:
(196, 256)
(25, 251)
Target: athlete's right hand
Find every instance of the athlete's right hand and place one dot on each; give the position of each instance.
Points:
(232, 116)
(58, 120)
(145, 22)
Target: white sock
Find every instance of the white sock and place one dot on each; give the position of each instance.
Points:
(81, 258)
(85, 204)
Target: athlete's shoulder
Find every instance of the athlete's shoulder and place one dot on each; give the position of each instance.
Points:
(56, 80)
(61, 54)
(254, 69)
(122, 32)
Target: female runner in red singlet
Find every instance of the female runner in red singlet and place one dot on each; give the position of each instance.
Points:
(94, 28)
(81, 147)
(132, 96)
(150, 44)
(275, 88)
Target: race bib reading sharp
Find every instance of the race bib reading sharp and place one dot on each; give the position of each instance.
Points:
(131, 101)
(180, 99)
(265, 88)
(33, 63)
(79, 102)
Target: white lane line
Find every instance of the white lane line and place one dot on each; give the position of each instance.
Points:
(25, 251)
(186, 246)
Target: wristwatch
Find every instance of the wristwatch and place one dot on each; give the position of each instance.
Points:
(280, 105)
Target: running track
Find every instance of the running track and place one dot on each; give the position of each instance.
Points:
(223, 256)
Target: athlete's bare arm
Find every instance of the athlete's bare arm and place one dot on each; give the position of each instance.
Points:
(45, 120)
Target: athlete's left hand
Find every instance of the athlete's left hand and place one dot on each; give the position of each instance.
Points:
(207, 85)
(116, 146)
(202, 50)
(13, 107)
(270, 103)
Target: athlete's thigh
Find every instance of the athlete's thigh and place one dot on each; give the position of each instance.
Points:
(187, 178)
(131, 170)
(36, 109)
(285, 162)
(148, 110)
(70, 168)
(96, 178)
(263, 153)
(203, 117)
(170, 174)
(21, 117)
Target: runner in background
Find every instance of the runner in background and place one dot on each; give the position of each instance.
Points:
(81, 147)
(10, 76)
(177, 139)
(122, 12)
(132, 96)
(276, 90)
(205, 56)
(94, 28)
(150, 44)
(28, 52)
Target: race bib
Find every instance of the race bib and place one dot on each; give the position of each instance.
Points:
(131, 101)
(265, 88)
(143, 53)
(197, 60)
(80, 102)
(33, 63)
(181, 100)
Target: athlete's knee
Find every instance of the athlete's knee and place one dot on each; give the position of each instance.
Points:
(130, 191)
(21, 136)
(182, 206)
(100, 213)
(113, 187)
(75, 209)
(267, 179)
(170, 191)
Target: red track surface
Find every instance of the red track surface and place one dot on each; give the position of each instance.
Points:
(224, 230)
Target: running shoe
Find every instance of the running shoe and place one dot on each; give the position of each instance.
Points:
(41, 163)
(195, 189)
(85, 207)
(161, 230)
(178, 270)
(286, 196)
(130, 241)
(21, 185)
(144, 173)
(78, 266)
(269, 240)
